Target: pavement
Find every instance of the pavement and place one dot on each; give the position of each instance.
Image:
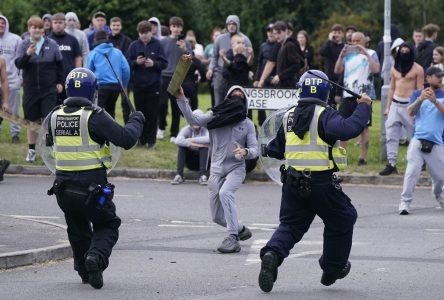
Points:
(21, 241)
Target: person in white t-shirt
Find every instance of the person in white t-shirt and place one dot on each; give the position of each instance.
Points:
(358, 64)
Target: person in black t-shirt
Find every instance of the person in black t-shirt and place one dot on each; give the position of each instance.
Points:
(68, 46)
(266, 52)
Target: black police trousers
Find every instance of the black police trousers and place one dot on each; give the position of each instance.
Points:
(98, 240)
(296, 214)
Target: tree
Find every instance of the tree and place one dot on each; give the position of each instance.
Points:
(13, 11)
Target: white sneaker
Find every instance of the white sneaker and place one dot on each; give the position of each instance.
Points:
(31, 156)
(177, 180)
(160, 134)
(203, 180)
(440, 201)
(173, 139)
(404, 208)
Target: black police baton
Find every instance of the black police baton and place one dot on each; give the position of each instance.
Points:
(339, 86)
(125, 96)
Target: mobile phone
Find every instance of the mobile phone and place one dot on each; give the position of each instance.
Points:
(426, 85)
(352, 49)
(141, 53)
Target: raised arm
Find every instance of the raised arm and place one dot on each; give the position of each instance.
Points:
(192, 118)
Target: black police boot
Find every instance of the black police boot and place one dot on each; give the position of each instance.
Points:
(84, 277)
(95, 278)
(330, 278)
(268, 274)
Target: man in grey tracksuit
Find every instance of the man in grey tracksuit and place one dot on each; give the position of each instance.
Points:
(230, 145)
(223, 42)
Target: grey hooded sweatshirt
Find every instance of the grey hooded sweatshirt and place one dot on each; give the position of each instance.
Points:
(79, 35)
(10, 44)
(223, 139)
(158, 34)
(224, 42)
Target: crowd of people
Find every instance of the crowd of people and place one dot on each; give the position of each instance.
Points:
(53, 45)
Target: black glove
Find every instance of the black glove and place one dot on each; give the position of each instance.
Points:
(138, 115)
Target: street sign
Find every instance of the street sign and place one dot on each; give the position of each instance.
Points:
(271, 98)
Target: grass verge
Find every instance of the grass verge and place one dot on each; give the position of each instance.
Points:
(164, 155)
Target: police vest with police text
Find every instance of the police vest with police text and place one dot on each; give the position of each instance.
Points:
(311, 152)
(74, 150)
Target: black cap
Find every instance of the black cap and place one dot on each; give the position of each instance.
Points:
(99, 14)
(434, 71)
(270, 26)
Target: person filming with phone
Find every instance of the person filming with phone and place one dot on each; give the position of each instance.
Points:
(41, 63)
(358, 64)
(147, 59)
(427, 144)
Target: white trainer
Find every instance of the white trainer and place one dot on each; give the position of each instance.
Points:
(160, 134)
(31, 156)
(440, 200)
(203, 180)
(404, 208)
(173, 139)
(177, 180)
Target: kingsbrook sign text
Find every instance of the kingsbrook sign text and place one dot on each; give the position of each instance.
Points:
(271, 98)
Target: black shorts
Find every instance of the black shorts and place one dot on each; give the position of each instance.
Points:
(37, 105)
(348, 106)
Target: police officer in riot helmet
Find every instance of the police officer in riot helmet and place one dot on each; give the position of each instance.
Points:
(79, 133)
(308, 140)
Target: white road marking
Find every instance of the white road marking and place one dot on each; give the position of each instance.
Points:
(37, 219)
(257, 245)
(128, 196)
(381, 270)
(435, 230)
(185, 225)
(189, 222)
(31, 217)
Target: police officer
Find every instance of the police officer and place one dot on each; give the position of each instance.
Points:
(308, 141)
(80, 132)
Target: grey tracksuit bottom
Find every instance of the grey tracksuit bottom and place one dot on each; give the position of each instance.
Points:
(221, 189)
(415, 160)
(396, 119)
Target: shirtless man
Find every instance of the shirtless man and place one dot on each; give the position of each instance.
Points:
(406, 76)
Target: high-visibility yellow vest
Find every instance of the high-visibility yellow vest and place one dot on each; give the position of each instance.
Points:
(311, 152)
(74, 150)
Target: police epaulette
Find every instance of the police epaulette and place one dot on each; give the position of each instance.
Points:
(95, 108)
(56, 108)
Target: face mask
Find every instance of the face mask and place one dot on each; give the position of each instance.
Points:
(404, 61)
(238, 99)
